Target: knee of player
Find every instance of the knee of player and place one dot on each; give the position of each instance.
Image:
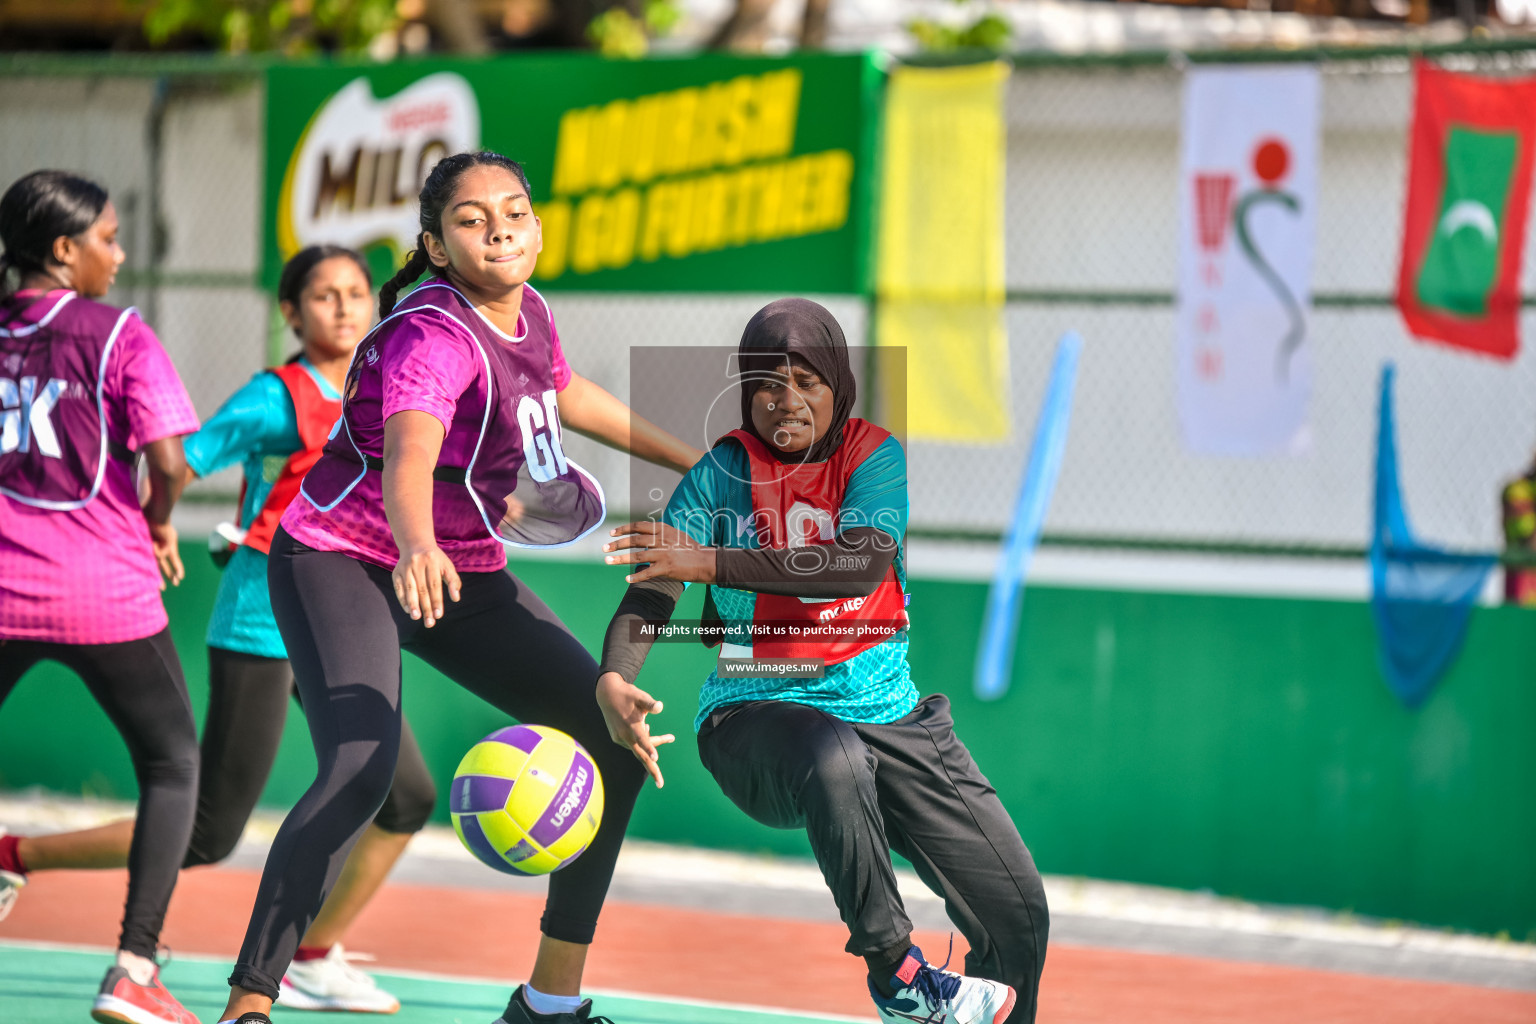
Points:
(212, 845)
(177, 765)
(831, 779)
(358, 784)
(372, 784)
(408, 807)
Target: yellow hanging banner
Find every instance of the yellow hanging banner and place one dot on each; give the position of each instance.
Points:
(939, 276)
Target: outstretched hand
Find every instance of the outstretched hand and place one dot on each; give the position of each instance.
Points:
(624, 707)
(669, 551)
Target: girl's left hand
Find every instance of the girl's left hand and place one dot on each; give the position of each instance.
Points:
(670, 552)
(167, 553)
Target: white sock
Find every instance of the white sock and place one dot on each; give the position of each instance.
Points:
(538, 1002)
(140, 968)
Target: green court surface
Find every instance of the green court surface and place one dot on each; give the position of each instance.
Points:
(55, 985)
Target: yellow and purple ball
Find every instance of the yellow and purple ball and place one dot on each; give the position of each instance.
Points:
(527, 800)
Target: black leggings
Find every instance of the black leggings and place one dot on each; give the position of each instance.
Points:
(140, 686)
(860, 790)
(247, 706)
(344, 631)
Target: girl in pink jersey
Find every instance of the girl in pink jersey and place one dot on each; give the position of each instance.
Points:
(449, 447)
(83, 388)
(275, 425)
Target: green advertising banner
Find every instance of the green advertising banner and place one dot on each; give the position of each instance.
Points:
(708, 173)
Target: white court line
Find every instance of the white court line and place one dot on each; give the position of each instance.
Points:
(472, 979)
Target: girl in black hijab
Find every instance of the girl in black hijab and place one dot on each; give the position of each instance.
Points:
(811, 719)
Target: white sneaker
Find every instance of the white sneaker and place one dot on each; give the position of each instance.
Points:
(932, 995)
(332, 983)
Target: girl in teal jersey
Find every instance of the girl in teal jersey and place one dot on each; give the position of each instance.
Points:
(811, 720)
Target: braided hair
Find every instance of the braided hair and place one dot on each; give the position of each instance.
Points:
(436, 191)
(37, 210)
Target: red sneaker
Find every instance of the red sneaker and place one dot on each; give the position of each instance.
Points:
(123, 1001)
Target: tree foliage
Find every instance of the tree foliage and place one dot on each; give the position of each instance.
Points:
(287, 26)
(988, 31)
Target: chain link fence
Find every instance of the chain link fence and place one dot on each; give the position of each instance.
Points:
(1092, 207)
(1093, 166)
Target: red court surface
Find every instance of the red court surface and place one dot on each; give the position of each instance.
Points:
(768, 962)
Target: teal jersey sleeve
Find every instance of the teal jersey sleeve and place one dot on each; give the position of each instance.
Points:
(259, 419)
(712, 501)
(877, 492)
(259, 427)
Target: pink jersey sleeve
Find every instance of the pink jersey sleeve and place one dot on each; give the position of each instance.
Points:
(154, 399)
(426, 367)
(561, 367)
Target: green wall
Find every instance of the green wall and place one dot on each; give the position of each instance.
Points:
(1244, 745)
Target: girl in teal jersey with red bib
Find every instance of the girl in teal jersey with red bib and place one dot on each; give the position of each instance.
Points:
(843, 748)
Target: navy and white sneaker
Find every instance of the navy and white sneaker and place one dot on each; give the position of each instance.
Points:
(926, 994)
(519, 1012)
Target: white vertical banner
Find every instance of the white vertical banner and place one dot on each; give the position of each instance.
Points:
(1247, 229)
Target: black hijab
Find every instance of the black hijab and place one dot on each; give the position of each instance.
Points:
(802, 328)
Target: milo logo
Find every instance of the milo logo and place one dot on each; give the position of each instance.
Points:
(355, 173)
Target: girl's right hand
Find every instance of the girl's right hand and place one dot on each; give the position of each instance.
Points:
(419, 577)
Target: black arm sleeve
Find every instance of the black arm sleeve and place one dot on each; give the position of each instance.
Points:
(851, 566)
(649, 601)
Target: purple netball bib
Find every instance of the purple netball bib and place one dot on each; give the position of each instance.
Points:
(54, 445)
(526, 492)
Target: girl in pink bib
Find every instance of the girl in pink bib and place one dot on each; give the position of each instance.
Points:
(84, 389)
(449, 448)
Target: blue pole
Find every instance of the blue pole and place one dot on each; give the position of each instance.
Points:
(1000, 624)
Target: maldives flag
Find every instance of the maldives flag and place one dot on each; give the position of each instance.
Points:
(1469, 185)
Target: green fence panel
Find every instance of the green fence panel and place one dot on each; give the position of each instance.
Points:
(1240, 744)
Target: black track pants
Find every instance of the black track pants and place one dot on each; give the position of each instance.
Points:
(860, 790)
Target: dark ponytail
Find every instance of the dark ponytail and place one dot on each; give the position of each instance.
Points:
(435, 193)
(37, 210)
(416, 264)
